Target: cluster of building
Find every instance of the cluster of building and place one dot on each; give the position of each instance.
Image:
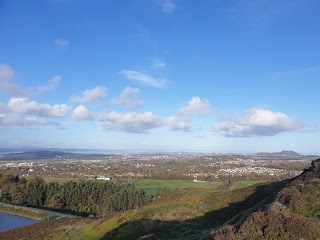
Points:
(200, 167)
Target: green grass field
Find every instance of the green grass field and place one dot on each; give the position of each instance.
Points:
(61, 180)
(150, 186)
(244, 184)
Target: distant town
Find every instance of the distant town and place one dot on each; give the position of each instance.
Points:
(165, 166)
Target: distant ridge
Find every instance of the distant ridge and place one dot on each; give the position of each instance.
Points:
(283, 153)
(42, 155)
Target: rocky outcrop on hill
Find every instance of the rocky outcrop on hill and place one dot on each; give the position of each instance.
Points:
(315, 165)
(312, 171)
(293, 214)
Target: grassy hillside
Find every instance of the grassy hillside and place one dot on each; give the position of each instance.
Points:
(289, 209)
(294, 214)
(185, 213)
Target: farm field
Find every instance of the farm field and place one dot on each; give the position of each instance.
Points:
(150, 186)
(61, 180)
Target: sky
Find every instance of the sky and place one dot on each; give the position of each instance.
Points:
(160, 75)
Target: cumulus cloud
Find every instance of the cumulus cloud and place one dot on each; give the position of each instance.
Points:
(129, 122)
(140, 122)
(26, 106)
(25, 112)
(62, 43)
(52, 84)
(258, 122)
(195, 106)
(167, 6)
(91, 95)
(129, 97)
(81, 113)
(176, 124)
(144, 79)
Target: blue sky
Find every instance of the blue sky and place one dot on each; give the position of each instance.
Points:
(166, 75)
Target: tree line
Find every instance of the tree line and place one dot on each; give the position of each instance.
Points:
(83, 198)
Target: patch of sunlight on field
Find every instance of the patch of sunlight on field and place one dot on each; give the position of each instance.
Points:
(150, 186)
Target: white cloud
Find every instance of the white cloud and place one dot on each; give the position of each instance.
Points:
(18, 120)
(7, 84)
(24, 106)
(144, 78)
(52, 84)
(25, 112)
(21, 111)
(195, 106)
(62, 43)
(130, 122)
(129, 97)
(91, 95)
(167, 6)
(81, 113)
(258, 122)
(157, 63)
(140, 122)
(176, 124)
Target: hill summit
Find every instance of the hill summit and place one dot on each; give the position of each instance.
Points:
(283, 153)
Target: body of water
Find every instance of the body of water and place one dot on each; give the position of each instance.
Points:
(9, 221)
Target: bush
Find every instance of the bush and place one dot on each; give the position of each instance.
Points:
(292, 198)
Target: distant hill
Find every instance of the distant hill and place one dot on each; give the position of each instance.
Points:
(289, 154)
(41, 155)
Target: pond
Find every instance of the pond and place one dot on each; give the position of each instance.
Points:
(9, 221)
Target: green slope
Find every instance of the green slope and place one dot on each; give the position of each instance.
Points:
(186, 213)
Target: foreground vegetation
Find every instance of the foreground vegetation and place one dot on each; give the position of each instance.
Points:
(293, 214)
(181, 213)
(288, 209)
(84, 197)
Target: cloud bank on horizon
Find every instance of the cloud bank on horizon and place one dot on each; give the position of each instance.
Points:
(202, 70)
